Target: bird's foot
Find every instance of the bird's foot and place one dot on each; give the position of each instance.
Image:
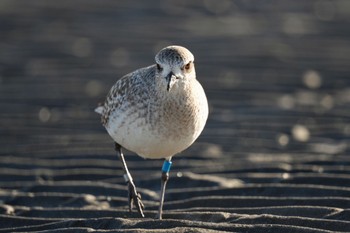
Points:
(135, 199)
(159, 216)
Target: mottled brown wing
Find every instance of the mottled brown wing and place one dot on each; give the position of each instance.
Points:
(115, 97)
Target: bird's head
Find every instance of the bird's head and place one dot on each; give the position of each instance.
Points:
(175, 64)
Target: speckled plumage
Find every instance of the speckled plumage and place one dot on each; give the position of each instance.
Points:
(160, 110)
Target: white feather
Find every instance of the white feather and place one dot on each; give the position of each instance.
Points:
(99, 110)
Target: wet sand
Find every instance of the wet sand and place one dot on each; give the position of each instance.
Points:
(274, 156)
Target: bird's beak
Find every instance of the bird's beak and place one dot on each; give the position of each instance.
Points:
(170, 78)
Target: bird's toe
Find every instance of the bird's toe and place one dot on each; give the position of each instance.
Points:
(135, 200)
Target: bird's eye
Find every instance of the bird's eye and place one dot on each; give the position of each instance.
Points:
(187, 66)
(159, 67)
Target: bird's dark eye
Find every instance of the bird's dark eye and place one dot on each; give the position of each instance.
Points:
(187, 66)
(159, 67)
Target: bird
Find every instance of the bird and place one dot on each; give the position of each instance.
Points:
(156, 112)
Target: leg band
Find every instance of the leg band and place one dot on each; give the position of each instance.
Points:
(166, 166)
(126, 178)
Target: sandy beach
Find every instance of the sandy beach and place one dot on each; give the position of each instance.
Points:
(273, 157)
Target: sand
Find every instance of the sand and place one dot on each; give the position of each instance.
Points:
(274, 156)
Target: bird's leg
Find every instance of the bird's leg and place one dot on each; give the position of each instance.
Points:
(165, 177)
(134, 196)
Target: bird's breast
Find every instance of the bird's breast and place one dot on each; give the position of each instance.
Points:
(163, 126)
(184, 113)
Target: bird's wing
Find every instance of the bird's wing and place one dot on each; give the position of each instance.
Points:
(119, 93)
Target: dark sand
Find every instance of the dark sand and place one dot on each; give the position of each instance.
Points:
(274, 156)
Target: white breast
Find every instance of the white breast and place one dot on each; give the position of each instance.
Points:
(163, 129)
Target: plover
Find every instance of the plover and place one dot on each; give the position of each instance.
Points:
(156, 112)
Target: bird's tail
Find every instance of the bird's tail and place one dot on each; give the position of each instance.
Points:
(99, 109)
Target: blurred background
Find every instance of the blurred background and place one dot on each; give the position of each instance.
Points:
(276, 74)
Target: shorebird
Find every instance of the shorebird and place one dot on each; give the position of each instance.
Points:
(156, 112)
